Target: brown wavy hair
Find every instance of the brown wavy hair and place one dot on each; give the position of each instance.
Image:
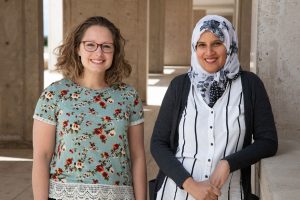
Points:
(68, 60)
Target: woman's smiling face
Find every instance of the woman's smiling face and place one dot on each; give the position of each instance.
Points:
(96, 61)
(211, 52)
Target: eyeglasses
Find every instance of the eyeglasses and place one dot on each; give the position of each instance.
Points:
(93, 46)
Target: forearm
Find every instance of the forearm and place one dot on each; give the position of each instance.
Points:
(40, 178)
(250, 155)
(139, 178)
(167, 161)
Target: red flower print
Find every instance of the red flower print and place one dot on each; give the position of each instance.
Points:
(58, 171)
(97, 98)
(106, 119)
(105, 175)
(71, 151)
(99, 168)
(58, 150)
(64, 92)
(79, 164)
(104, 155)
(120, 137)
(95, 181)
(102, 104)
(75, 95)
(92, 111)
(75, 126)
(103, 138)
(69, 161)
(54, 176)
(117, 183)
(65, 123)
(136, 101)
(117, 111)
(68, 114)
(116, 146)
(98, 131)
(49, 95)
(112, 132)
(61, 133)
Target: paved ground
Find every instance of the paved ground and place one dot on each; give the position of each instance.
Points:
(15, 164)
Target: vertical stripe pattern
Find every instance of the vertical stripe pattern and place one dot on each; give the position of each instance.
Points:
(207, 135)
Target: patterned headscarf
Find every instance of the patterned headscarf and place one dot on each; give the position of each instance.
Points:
(212, 86)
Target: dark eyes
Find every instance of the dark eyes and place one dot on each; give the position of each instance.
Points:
(213, 44)
(90, 44)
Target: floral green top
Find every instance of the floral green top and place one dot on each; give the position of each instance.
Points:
(91, 137)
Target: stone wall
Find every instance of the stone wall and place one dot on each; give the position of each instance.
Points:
(275, 58)
(21, 64)
(178, 32)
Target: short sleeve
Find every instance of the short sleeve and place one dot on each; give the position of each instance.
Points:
(137, 113)
(46, 107)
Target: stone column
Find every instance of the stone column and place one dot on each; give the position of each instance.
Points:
(197, 15)
(21, 64)
(275, 58)
(130, 17)
(178, 32)
(242, 23)
(156, 35)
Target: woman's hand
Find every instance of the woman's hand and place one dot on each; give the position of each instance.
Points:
(202, 190)
(220, 174)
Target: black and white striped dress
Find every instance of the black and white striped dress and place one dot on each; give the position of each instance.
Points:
(206, 135)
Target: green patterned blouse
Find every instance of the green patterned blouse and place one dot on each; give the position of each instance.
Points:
(91, 133)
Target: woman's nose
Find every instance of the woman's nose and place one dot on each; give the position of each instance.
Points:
(99, 50)
(209, 50)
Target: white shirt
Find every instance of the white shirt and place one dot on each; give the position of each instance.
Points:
(206, 135)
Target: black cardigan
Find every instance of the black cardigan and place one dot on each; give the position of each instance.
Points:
(259, 125)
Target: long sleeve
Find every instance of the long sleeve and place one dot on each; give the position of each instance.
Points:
(261, 126)
(161, 147)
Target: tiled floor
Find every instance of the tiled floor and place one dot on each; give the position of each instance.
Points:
(15, 164)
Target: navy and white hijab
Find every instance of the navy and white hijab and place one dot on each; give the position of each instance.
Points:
(212, 86)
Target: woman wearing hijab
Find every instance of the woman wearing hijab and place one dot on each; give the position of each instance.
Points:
(214, 122)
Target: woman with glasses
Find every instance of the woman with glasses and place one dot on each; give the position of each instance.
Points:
(88, 127)
(202, 139)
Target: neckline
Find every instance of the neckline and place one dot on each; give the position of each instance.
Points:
(89, 89)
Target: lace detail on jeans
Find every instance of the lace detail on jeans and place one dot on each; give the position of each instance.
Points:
(78, 191)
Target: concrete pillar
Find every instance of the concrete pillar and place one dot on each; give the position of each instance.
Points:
(130, 17)
(243, 9)
(55, 35)
(197, 15)
(178, 32)
(275, 58)
(21, 64)
(156, 35)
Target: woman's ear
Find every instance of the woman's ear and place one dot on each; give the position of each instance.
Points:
(78, 52)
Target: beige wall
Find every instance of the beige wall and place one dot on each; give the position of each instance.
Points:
(197, 15)
(156, 35)
(243, 27)
(21, 64)
(178, 32)
(130, 17)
